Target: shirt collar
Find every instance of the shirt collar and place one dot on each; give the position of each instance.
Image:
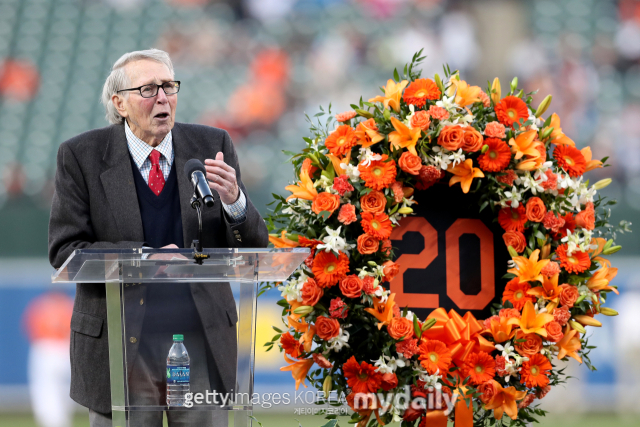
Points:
(140, 150)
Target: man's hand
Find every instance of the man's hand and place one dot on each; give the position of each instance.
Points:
(222, 178)
(167, 257)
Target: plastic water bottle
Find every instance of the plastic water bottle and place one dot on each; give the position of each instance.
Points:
(178, 372)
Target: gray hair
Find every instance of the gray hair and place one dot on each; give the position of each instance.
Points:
(118, 78)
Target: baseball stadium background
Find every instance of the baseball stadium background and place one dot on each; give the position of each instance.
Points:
(254, 67)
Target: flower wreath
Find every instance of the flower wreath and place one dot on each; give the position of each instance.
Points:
(356, 183)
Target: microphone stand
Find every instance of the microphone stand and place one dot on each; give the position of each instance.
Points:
(196, 245)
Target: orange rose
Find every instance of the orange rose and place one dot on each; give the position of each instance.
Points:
(373, 202)
(569, 295)
(390, 270)
(311, 292)
(400, 327)
(367, 244)
(531, 345)
(451, 137)
(351, 286)
(421, 120)
(515, 239)
(586, 219)
(410, 163)
(471, 140)
(554, 331)
(536, 210)
(327, 328)
(326, 202)
(488, 391)
(386, 247)
(389, 381)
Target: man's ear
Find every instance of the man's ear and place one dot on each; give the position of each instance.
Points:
(118, 102)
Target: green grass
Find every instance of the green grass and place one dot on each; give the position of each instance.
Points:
(280, 419)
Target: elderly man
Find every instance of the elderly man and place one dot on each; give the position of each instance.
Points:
(122, 187)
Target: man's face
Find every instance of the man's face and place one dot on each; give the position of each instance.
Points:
(150, 119)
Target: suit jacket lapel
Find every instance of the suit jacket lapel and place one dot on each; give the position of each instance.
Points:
(119, 187)
(184, 149)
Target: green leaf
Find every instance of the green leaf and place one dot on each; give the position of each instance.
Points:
(395, 74)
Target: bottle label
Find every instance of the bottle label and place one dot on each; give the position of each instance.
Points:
(177, 374)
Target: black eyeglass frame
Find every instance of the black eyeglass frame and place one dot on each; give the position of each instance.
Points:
(139, 89)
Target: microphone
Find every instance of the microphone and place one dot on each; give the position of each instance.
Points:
(196, 172)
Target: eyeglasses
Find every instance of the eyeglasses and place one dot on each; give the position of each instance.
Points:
(151, 90)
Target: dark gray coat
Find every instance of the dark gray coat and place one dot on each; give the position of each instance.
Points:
(95, 206)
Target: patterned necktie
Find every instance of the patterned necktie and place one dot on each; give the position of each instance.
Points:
(156, 178)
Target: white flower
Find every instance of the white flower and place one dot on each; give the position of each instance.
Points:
(457, 157)
(292, 290)
(407, 120)
(513, 196)
(507, 350)
(448, 103)
(367, 156)
(565, 181)
(352, 171)
(334, 242)
(388, 365)
(340, 341)
(441, 158)
(529, 183)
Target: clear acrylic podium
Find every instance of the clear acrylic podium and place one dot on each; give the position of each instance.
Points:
(152, 294)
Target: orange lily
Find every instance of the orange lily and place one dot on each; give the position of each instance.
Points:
(597, 251)
(307, 339)
(549, 289)
(502, 329)
(464, 174)
(528, 269)
(392, 94)
(282, 242)
(532, 322)
(296, 321)
(383, 311)
(591, 164)
(504, 400)
(569, 344)
(601, 278)
(404, 137)
(299, 369)
(557, 136)
(465, 94)
(304, 190)
(365, 130)
(337, 162)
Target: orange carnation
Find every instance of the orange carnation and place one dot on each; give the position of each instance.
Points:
(329, 269)
(351, 286)
(377, 225)
(341, 140)
(400, 328)
(325, 202)
(536, 210)
(495, 130)
(534, 371)
(570, 159)
(531, 345)
(510, 110)
(421, 120)
(451, 137)
(346, 116)
(516, 240)
(479, 367)
(497, 157)
(512, 219)
(471, 140)
(434, 356)
(410, 163)
(379, 174)
(373, 202)
(347, 214)
(438, 113)
(577, 262)
(311, 293)
(420, 90)
(327, 328)
(516, 293)
(367, 244)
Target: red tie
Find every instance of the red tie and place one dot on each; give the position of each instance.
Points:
(156, 178)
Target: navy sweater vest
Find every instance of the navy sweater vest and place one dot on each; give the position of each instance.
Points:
(162, 226)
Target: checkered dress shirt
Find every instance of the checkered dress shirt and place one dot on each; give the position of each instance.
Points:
(140, 151)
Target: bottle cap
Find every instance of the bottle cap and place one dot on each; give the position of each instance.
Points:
(178, 337)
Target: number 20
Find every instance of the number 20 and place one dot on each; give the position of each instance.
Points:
(430, 252)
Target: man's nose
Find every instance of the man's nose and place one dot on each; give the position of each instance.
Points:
(161, 98)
